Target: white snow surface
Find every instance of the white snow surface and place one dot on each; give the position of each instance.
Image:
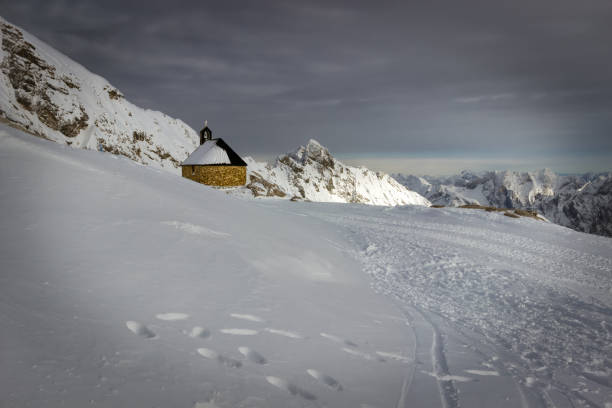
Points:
(46, 93)
(346, 305)
(312, 173)
(208, 153)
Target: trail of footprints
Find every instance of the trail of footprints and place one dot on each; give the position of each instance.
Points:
(253, 356)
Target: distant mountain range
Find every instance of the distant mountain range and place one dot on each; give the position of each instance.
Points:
(47, 94)
(581, 202)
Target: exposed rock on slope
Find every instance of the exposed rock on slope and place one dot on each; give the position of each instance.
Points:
(312, 173)
(46, 93)
(587, 208)
(583, 203)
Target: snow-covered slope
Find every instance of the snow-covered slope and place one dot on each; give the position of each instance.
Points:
(47, 94)
(583, 203)
(312, 173)
(126, 286)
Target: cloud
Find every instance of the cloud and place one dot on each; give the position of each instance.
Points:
(408, 77)
(486, 98)
(445, 166)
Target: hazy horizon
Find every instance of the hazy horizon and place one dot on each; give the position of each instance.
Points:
(447, 166)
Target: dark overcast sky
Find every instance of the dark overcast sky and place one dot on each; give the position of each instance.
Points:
(421, 78)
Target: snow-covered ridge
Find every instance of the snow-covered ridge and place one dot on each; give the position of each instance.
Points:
(582, 202)
(46, 93)
(312, 173)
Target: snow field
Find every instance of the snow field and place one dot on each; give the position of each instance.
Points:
(120, 303)
(113, 292)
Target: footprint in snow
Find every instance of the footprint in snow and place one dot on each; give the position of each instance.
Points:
(249, 317)
(331, 382)
(221, 359)
(363, 355)
(199, 332)
(239, 332)
(290, 387)
(394, 356)
(140, 329)
(285, 333)
(252, 355)
(338, 339)
(172, 316)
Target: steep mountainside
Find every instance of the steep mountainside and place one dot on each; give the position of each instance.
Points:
(312, 173)
(583, 203)
(46, 93)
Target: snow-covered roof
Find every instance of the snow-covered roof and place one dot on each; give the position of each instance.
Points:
(208, 153)
(212, 152)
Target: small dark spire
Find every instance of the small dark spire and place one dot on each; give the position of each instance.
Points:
(206, 133)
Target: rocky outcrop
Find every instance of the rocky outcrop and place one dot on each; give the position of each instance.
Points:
(587, 208)
(35, 83)
(47, 94)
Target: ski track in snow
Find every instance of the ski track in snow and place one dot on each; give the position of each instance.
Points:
(530, 299)
(456, 279)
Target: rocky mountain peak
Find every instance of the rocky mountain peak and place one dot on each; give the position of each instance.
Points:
(312, 173)
(313, 152)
